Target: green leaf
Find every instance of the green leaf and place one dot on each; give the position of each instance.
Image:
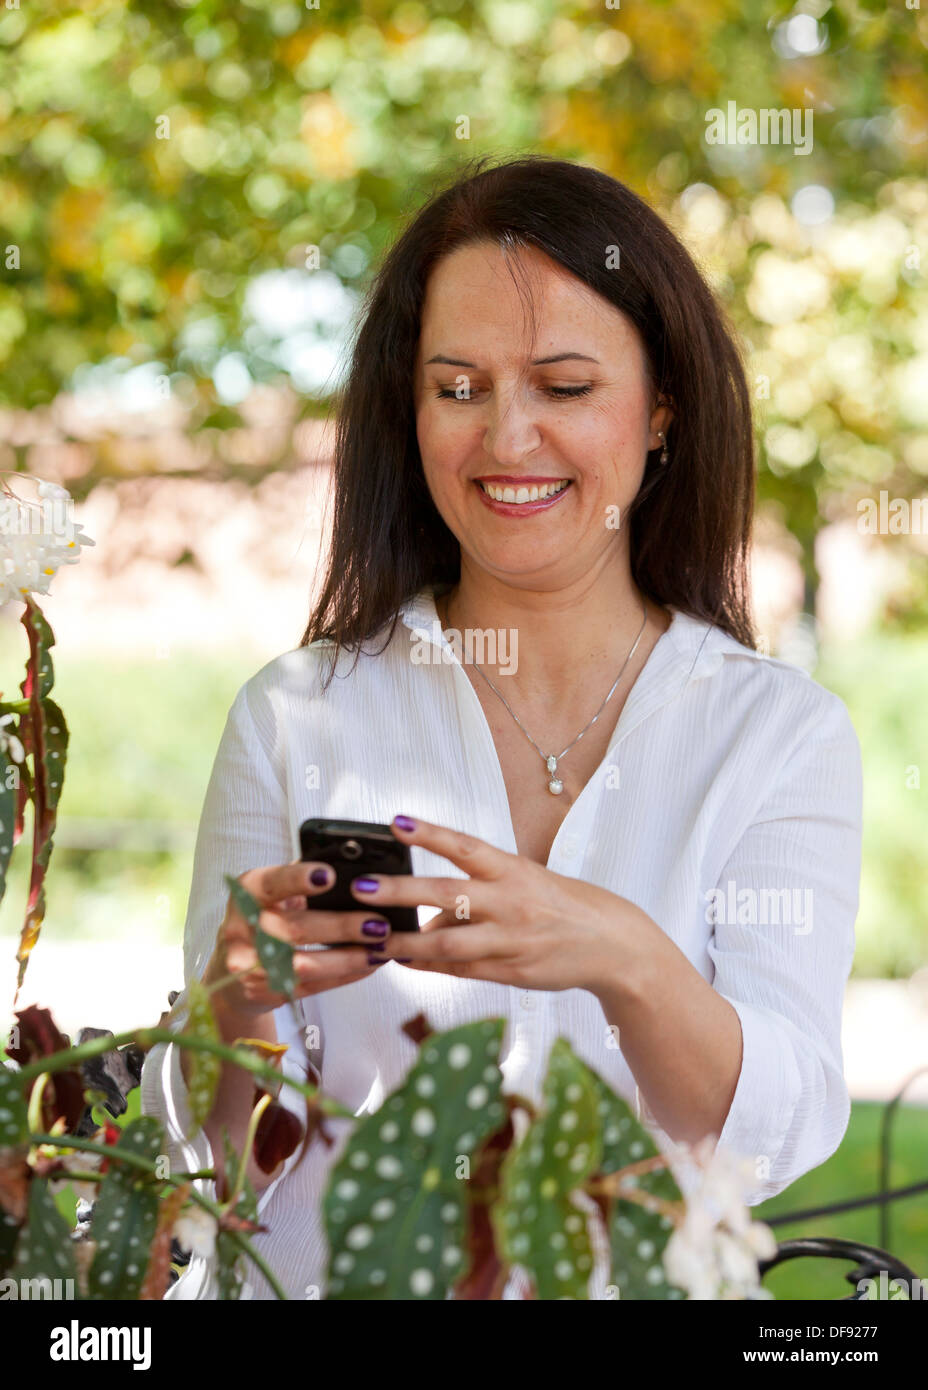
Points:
(397, 1200)
(230, 1259)
(14, 1125)
(537, 1224)
(7, 814)
(638, 1235)
(229, 1266)
(44, 1250)
(125, 1217)
(41, 639)
(276, 956)
(9, 1230)
(247, 1204)
(205, 1068)
(56, 751)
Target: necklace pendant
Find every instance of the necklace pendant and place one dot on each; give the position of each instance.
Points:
(555, 786)
(551, 764)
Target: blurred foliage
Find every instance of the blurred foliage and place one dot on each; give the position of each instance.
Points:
(157, 156)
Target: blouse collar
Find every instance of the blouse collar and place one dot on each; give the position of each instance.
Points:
(697, 647)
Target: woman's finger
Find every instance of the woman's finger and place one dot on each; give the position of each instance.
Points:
(461, 898)
(475, 857)
(315, 927)
(473, 943)
(269, 885)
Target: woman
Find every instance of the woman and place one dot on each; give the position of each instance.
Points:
(545, 439)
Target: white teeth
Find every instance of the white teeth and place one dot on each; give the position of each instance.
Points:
(535, 493)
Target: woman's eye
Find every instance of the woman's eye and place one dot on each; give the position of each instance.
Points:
(562, 392)
(558, 392)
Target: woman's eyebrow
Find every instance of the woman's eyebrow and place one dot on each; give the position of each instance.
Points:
(538, 362)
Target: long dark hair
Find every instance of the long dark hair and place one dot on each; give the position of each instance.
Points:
(691, 521)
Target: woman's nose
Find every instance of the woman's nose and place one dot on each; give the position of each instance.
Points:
(513, 430)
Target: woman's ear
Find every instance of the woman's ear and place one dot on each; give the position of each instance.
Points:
(661, 418)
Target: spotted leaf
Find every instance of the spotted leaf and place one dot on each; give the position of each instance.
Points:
(638, 1230)
(205, 1068)
(275, 955)
(396, 1205)
(537, 1224)
(14, 1124)
(125, 1217)
(44, 1251)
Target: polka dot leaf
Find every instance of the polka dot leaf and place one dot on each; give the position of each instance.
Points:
(276, 956)
(7, 815)
(14, 1125)
(204, 1067)
(398, 1198)
(125, 1217)
(537, 1224)
(44, 1250)
(638, 1236)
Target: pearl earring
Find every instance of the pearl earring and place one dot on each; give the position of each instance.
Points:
(665, 457)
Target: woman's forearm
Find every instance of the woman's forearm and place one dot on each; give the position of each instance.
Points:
(680, 1038)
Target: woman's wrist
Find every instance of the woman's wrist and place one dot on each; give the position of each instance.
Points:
(630, 974)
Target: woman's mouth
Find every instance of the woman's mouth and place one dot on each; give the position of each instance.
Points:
(513, 496)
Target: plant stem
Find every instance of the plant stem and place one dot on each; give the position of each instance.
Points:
(34, 1116)
(146, 1037)
(252, 1130)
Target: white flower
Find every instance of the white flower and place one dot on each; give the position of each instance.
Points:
(36, 539)
(714, 1252)
(9, 743)
(195, 1231)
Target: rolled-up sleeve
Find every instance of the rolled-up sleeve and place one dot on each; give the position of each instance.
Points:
(782, 949)
(245, 824)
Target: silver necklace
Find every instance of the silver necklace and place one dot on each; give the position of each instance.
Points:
(555, 785)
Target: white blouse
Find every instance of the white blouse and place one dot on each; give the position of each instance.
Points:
(728, 808)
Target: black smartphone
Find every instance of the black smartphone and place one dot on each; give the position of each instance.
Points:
(356, 849)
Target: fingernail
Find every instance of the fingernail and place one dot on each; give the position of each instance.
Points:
(377, 960)
(375, 928)
(404, 822)
(318, 877)
(366, 885)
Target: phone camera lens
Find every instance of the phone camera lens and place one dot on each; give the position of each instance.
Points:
(351, 850)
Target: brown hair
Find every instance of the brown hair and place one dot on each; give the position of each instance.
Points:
(690, 524)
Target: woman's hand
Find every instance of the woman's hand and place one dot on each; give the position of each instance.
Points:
(281, 892)
(512, 921)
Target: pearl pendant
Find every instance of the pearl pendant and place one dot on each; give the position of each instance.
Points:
(555, 786)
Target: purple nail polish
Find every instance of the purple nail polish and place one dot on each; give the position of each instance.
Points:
(366, 885)
(318, 877)
(374, 928)
(377, 960)
(404, 822)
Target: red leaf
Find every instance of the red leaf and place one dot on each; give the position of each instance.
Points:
(64, 1090)
(278, 1133)
(486, 1274)
(158, 1273)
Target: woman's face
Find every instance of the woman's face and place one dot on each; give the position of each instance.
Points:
(562, 425)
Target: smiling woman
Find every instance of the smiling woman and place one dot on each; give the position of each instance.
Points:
(546, 436)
